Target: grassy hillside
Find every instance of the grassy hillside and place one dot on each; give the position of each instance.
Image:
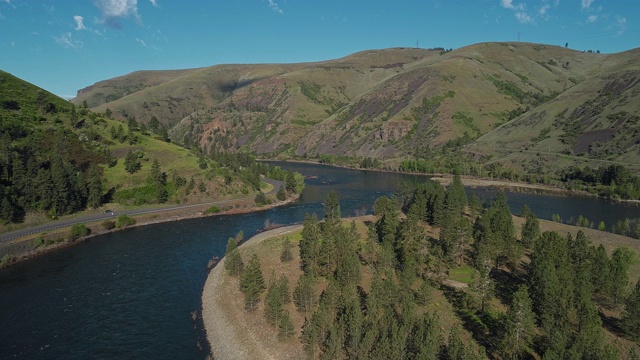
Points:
(392, 103)
(595, 122)
(57, 158)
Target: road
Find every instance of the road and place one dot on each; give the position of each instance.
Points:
(103, 216)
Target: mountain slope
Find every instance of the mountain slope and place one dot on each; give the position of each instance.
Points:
(596, 121)
(387, 104)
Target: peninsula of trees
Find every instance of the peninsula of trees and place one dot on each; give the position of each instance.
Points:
(376, 292)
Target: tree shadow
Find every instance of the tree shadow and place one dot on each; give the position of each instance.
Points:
(476, 324)
(506, 284)
(612, 324)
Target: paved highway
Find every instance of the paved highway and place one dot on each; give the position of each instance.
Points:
(103, 216)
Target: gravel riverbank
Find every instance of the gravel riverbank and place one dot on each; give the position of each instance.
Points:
(228, 339)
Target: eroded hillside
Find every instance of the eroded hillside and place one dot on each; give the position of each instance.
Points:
(394, 103)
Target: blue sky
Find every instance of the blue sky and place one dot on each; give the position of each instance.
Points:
(65, 45)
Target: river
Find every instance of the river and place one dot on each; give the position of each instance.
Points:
(130, 294)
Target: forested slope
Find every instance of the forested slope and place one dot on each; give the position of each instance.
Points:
(379, 293)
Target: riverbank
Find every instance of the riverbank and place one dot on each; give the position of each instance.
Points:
(22, 249)
(228, 338)
(475, 182)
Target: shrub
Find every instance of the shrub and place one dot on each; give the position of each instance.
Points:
(281, 195)
(212, 210)
(108, 224)
(5, 260)
(124, 221)
(261, 199)
(78, 231)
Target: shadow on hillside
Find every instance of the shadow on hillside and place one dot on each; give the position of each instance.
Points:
(478, 324)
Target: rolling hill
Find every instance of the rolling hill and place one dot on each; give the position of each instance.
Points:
(508, 102)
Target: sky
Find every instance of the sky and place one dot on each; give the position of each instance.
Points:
(65, 45)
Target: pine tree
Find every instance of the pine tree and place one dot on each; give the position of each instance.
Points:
(455, 197)
(455, 235)
(6, 210)
(631, 315)
(496, 235)
(552, 290)
(233, 260)
(531, 227)
(283, 286)
(286, 255)
(310, 245)
(273, 303)
(131, 163)
(600, 270)
(483, 286)
(475, 205)
(252, 283)
(354, 319)
(304, 296)
(332, 208)
(455, 349)
(94, 198)
(519, 325)
(621, 259)
(426, 339)
(285, 327)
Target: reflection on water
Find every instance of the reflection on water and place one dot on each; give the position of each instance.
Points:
(130, 294)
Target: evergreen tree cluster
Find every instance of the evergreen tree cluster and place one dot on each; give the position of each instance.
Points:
(569, 279)
(60, 179)
(387, 322)
(553, 312)
(551, 302)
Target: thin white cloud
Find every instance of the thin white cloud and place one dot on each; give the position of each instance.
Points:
(274, 6)
(621, 24)
(154, 3)
(145, 45)
(586, 4)
(114, 10)
(519, 11)
(543, 9)
(79, 22)
(67, 41)
(507, 4)
(592, 18)
(524, 18)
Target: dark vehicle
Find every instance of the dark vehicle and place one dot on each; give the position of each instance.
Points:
(108, 212)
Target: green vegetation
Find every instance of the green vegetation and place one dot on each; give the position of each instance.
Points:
(78, 231)
(212, 210)
(614, 181)
(124, 221)
(233, 261)
(58, 158)
(379, 291)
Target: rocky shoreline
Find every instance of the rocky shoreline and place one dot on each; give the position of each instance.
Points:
(226, 340)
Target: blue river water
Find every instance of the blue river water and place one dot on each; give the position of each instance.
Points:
(131, 294)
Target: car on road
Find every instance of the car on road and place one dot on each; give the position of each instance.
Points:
(108, 212)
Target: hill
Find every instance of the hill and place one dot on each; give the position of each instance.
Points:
(57, 158)
(396, 103)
